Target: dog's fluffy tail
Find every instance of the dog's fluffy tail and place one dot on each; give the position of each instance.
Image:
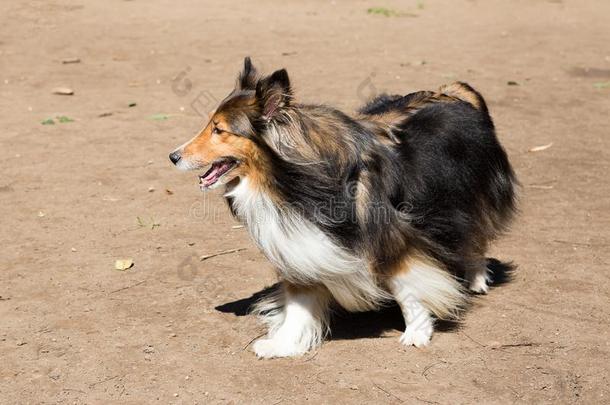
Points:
(500, 272)
(463, 91)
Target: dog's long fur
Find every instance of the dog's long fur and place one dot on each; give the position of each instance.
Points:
(398, 202)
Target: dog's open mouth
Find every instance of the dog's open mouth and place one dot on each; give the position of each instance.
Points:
(218, 169)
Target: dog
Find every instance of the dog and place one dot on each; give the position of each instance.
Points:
(398, 202)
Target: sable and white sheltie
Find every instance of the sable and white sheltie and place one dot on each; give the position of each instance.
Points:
(396, 203)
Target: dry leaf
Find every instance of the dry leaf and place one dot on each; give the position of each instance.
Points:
(159, 117)
(62, 119)
(63, 91)
(541, 148)
(602, 85)
(123, 264)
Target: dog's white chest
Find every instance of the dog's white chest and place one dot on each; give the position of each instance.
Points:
(303, 253)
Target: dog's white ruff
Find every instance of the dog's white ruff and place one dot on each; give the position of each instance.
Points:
(302, 253)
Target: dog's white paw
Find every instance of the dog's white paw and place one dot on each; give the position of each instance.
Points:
(268, 348)
(479, 284)
(417, 335)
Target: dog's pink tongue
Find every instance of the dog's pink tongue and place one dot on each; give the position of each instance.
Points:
(211, 177)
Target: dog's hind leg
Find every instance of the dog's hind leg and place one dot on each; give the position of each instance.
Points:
(477, 276)
(423, 288)
(298, 325)
(476, 272)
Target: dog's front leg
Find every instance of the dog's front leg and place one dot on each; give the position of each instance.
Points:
(299, 326)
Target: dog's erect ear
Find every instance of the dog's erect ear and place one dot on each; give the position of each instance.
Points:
(247, 78)
(273, 93)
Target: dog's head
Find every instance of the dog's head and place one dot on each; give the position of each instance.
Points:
(230, 145)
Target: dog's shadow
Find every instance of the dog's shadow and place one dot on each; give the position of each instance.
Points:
(349, 325)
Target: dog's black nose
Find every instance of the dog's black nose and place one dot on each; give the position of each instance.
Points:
(175, 156)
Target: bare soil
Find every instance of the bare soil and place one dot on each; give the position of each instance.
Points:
(173, 329)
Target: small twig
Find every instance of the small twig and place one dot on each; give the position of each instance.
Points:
(224, 252)
(388, 392)
(478, 343)
(428, 367)
(129, 286)
(514, 391)
(523, 344)
(250, 342)
(311, 357)
(103, 381)
(318, 378)
(426, 401)
(567, 242)
(73, 389)
(402, 382)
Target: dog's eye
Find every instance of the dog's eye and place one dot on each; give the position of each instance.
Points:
(216, 130)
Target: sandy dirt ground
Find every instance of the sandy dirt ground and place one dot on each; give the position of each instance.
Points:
(76, 196)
